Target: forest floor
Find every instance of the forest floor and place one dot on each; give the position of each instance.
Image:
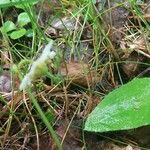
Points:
(99, 45)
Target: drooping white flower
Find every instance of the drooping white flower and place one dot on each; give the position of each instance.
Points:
(46, 55)
(25, 82)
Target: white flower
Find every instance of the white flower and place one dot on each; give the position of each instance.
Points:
(25, 82)
(46, 55)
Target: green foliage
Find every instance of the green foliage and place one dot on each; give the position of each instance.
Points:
(58, 59)
(17, 31)
(23, 19)
(1, 69)
(56, 78)
(18, 34)
(125, 108)
(29, 33)
(49, 115)
(17, 3)
(45, 120)
(8, 26)
(24, 65)
(4, 2)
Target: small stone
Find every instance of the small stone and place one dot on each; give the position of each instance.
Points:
(5, 83)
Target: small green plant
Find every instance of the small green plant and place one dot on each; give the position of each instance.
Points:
(17, 30)
(16, 3)
(125, 108)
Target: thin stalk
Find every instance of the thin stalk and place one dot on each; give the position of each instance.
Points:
(44, 119)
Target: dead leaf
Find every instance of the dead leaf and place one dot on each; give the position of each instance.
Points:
(131, 67)
(15, 99)
(129, 147)
(79, 73)
(45, 143)
(92, 102)
(5, 59)
(72, 136)
(115, 19)
(112, 146)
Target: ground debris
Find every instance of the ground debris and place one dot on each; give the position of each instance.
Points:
(79, 73)
(112, 146)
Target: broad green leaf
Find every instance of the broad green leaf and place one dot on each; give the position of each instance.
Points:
(4, 1)
(18, 34)
(8, 3)
(8, 26)
(23, 19)
(125, 108)
(23, 5)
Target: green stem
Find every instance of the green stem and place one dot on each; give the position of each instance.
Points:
(44, 119)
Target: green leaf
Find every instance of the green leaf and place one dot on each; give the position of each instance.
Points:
(4, 1)
(23, 19)
(8, 26)
(29, 33)
(49, 115)
(18, 34)
(23, 5)
(125, 108)
(8, 3)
